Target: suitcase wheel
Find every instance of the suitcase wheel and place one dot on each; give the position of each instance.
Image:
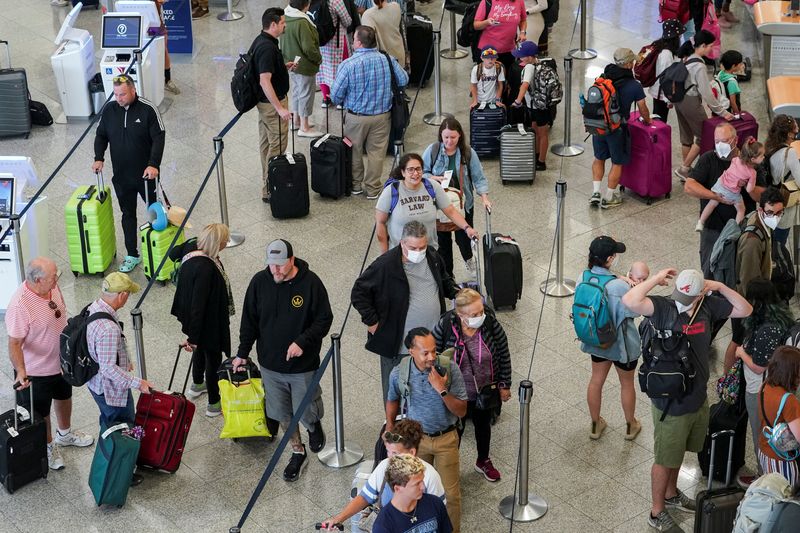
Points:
(75, 273)
(668, 195)
(649, 201)
(530, 182)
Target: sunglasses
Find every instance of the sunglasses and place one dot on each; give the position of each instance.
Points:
(121, 79)
(393, 438)
(52, 305)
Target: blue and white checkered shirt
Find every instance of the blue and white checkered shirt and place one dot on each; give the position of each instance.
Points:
(363, 82)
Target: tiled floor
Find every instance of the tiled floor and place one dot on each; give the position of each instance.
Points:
(590, 486)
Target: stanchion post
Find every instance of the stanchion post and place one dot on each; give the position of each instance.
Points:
(236, 237)
(523, 507)
(453, 52)
(141, 368)
(567, 149)
(437, 117)
(340, 454)
(558, 286)
(583, 52)
(230, 14)
(138, 55)
(16, 234)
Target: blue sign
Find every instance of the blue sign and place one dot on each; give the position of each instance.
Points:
(178, 20)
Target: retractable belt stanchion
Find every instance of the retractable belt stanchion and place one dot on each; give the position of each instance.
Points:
(453, 52)
(340, 454)
(236, 238)
(141, 369)
(437, 117)
(16, 228)
(583, 52)
(567, 149)
(230, 14)
(522, 507)
(558, 286)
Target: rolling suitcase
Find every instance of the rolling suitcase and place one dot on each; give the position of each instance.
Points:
(89, 222)
(113, 465)
(166, 418)
(724, 416)
(517, 154)
(15, 113)
(649, 171)
(332, 164)
(23, 447)
(484, 130)
(746, 126)
(419, 41)
(155, 243)
(716, 509)
(288, 184)
(502, 263)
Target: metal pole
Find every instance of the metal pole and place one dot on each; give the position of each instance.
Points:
(16, 228)
(453, 52)
(567, 149)
(523, 508)
(141, 369)
(230, 14)
(340, 454)
(558, 286)
(236, 238)
(437, 117)
(139, 55)
(583, 52)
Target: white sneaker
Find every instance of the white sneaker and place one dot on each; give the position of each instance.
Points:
(196, 390)
(313, 134)
(74, 438)
(54, 459)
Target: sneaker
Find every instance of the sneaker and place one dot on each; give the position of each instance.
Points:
(326, 102)
(595, 199)
(54, 460)
(339, 107)
(312, 133)
(129, 263)
(664, 522)
(373, 196)
(136, 479)
(488, 470)
(541, 165)
(616, 201)
(196, 390)
(316, 438)
(74, 438)
(598, 428)
(199, 13)
(265, 199)
(296, 465)
(730, 17)
(681, 502)
(469, 264)
(682, 172)
(633, 429)
(214, 410)
(356, 192)
(745, 481)
(699, 226)
(171, 87)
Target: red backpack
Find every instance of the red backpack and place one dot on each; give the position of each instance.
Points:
(644, 69)
(673, 9)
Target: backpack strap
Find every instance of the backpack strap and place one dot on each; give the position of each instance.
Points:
(402, 382)
(444, 359)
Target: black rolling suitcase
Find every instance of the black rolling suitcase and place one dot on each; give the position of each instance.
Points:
(724, 416)
(288, 184)
(716, 509)
(419, 42)
(484, 130)
(23, 448)
(332, 164)
(15, 112)
(502, 268)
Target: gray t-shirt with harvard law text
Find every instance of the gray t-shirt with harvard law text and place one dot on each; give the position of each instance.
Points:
(412, 205)
(423, 298)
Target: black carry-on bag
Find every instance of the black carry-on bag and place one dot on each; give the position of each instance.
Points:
(332, 163)
(716, 508)
(502, 263)
(288, 183)
(15, 112)
(23, 447)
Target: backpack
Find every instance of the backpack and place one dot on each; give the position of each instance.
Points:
(320, 13)
(760, 502)
(720, 91)
(784, 517)
(395, 185)
(245, 86)
(674, 9)
(77, 365)
(546, 90)
(673, 80)
(644, 70)
(770, 179)
(467, 35)
(591, 316)
(722, 262)
(778, 434)
(782, 271)
(601, 108)
(355, 18)
(442, 360)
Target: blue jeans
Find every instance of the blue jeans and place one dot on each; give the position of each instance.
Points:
(111, 415)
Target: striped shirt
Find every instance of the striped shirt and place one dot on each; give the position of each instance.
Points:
(363, 83)
(30, 318)
(376, 483)
(107, 347)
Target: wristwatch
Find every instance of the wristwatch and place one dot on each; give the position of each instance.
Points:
(443, 393)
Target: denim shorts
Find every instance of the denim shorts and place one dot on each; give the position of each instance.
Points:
(615, 146)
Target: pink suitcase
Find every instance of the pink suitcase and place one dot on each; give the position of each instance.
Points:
(649, 172)
(745, 127)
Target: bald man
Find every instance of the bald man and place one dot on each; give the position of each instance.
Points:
(35, 317)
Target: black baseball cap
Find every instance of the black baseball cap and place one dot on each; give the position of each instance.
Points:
(604, 247)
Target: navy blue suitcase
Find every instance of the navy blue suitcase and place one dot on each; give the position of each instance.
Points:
(484, 130)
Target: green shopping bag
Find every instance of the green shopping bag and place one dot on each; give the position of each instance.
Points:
(113, 465)
(243, 409)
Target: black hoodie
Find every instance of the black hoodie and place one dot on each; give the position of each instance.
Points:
(275, 315)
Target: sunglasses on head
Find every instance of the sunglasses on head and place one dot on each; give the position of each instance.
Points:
(393, 438)
(122, 78)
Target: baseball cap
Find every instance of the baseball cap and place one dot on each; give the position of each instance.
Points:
(117, 282)
(604, 247)
(688, 286)
(488, 51)
(278, 252)
(671, 28)
(526, 49)
(623, 56)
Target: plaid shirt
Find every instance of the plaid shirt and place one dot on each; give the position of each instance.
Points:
(363, 84)
(107, 346)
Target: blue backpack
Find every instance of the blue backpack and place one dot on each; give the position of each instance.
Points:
(395, 185)
(591, 316)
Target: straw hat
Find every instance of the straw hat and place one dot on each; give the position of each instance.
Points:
(176, 215)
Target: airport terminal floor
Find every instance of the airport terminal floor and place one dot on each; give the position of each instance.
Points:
(589, 485)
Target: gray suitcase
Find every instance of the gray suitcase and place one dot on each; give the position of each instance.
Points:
(517, 154)
(15, 114)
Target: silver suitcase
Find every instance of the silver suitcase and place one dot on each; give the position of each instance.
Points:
(517, 154)
(15, 114)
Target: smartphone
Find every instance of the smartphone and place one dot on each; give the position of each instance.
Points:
(296, 60)
(440, 369)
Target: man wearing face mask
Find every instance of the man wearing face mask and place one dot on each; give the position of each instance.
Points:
(402, 289)
(702, 178)
(286, 313)
(681, 426)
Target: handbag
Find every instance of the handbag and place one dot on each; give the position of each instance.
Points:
(488, 396)
(400, 115)
(729, 386)
(711, 24)
(779, 437)
(456, 196)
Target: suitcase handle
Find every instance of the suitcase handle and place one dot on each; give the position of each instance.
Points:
(30, 411)
(714, 436)
(101, 186)
(476, 253)
(8, 51)
(489, 228)
(175, 368)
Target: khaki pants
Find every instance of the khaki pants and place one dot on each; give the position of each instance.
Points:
(271, 140)
(442, 453)
(370, 133)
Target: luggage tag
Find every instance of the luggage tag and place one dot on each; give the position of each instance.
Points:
(347, 141)
(23, 414)
(502, 239)
(521, 129)
(13, 432)
(448, 175)
(482, 106)
(290, 158)
(321, 140)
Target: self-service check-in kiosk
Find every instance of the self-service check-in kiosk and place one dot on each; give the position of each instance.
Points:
(73, 66)
(124, 32)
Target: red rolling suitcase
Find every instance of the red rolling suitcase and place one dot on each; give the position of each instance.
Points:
(649, 171)
(166, 418)
(746, 126)
(716, 508)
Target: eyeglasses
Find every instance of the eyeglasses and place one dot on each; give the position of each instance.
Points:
(770, 214)
(52, 305)
(393, 438)
(413, 170)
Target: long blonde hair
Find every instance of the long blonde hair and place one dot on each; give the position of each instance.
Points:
(212, 237)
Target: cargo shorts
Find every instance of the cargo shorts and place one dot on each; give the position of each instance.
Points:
(677, 435)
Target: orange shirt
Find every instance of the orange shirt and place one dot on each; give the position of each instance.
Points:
(772, 400)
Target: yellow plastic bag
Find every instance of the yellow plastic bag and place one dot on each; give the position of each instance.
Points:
(243, 409)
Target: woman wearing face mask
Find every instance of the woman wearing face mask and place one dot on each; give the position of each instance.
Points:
(624, 353)
(452, 155)
(783, 165)
(481, 352)
(408, 196)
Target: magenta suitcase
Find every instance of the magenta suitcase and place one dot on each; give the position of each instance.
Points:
(649, 172)
(745, 127)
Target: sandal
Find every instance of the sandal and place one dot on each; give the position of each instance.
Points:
(129, 263)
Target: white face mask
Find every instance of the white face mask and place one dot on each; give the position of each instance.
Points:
(723, 150)
(770, 222)
(475, 322)
(416, 256)
(682, 308)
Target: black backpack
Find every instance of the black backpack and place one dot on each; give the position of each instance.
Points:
(355, 18)
(77, 365)
(673, 80)
(320, 13)
(783, 271)
(468, 36)
(245, 86)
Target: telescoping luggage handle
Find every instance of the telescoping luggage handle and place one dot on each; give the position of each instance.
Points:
(175, 368)
(714, 436)
(8, 52)
(476, 253)
(101, 186)
(16, 408)
(489, 228)
(289, 153)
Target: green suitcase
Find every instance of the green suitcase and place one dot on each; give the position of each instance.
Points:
(155, 245)
(113, 465)
(89, 221)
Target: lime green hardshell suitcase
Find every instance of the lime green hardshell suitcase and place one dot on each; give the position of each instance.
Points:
(89, 218)
(155, 245)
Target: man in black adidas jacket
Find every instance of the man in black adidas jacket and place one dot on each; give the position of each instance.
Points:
(135, 131)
